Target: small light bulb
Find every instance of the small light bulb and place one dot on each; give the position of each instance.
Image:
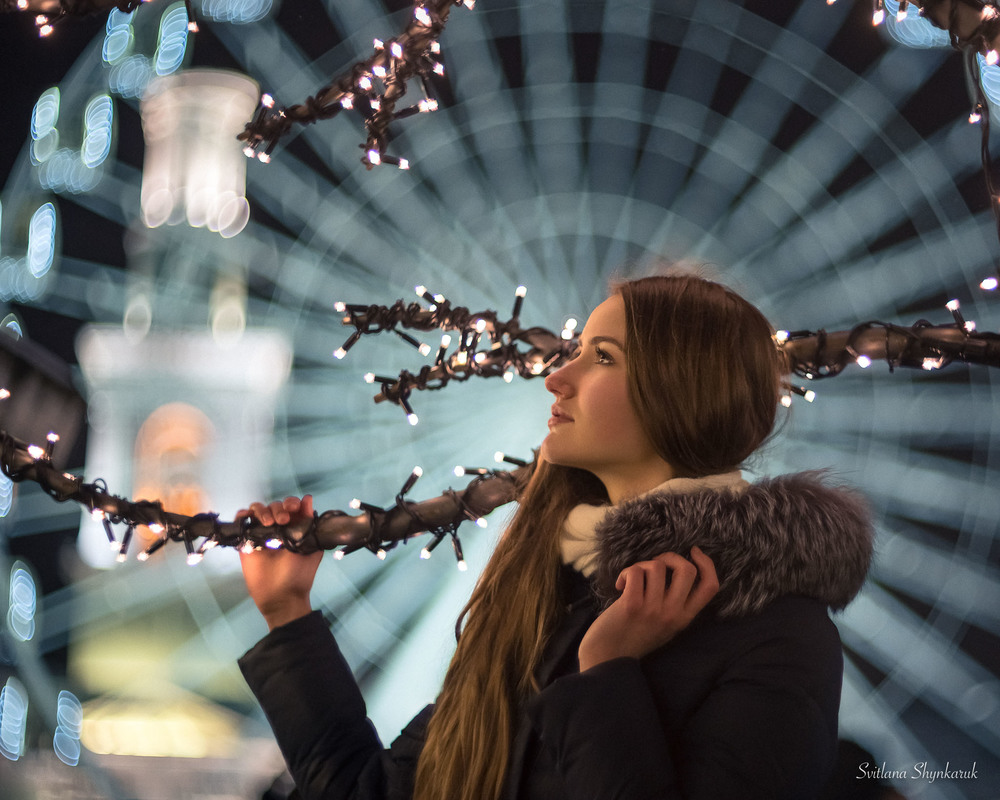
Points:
(463, 567)
(35, 451)
(338, 555)
(267, 101)
(480, 325)
(425, 554)
(781, 336)
(143, 556)
(273, 544)
(156, 527)
(426, 106)
(864, 362)
(482, 523)
(264, 158)
(970, 325)
(347, 102)
(378, 71)
(247, 547)
(508, 376)
(459, 472)
(52, 437)
(396, 49)
(952, 305)
(404, 164)
(355, 504)
(901, 14)
(446, 341)
(381, 554)
(97, 515)
(521, 291)
(412, 418)
(992, 57)
(418, 471)
(4, 394)
(424, 349)
(194, 558)
(439, 68)
(878, 17)
(809, 396)
(369, 377)
(786, 400)
(975, 117)
(422, 16)
(339, 353)
(498, 456)
(365, 83)
(987, 284)
(479, 358)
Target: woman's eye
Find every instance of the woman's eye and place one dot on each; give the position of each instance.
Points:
(603, 356)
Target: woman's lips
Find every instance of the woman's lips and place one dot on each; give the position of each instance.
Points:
(558, 417)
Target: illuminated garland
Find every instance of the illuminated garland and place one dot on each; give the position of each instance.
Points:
(500, 355)
(376, 529)
(816, 355)
(372, 88)
(50, 12)
(811, 355)
(973, 27)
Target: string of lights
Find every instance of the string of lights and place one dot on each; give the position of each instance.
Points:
(376, 529)
(973, 27)
(48, 13)
(821, 354)
(810, 355)
(372, 87)
(486, 346)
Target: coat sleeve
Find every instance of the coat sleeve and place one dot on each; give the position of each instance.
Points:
(763, 725)
(318, 716)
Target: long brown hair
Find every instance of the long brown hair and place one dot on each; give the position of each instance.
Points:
(704, 376)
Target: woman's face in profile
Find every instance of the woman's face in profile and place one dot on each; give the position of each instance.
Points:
(593, 424)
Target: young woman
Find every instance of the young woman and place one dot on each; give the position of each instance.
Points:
(649, 626)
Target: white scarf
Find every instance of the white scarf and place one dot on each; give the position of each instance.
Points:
(579, 536)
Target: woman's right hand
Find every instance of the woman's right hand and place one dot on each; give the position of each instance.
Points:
(279, 581)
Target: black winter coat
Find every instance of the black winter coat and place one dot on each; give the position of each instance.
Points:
(743, 704)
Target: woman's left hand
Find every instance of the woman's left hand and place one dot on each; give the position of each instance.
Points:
(649, 613)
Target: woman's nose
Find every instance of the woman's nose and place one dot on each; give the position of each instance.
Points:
(556, 382)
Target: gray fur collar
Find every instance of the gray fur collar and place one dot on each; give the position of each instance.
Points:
(789, 535)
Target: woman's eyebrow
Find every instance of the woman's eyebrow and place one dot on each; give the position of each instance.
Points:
(610, 339)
